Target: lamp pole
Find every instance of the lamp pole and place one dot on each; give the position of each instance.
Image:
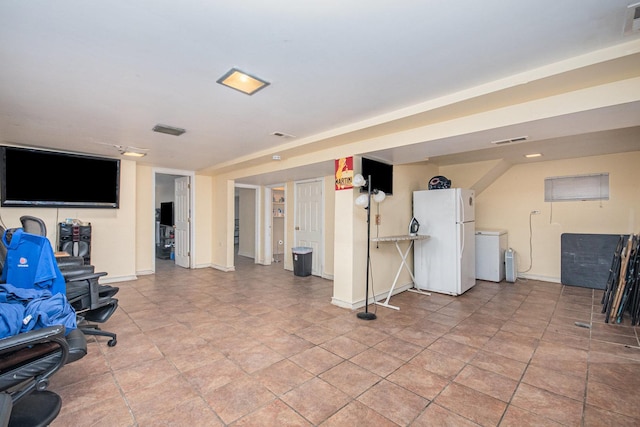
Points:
(366, 315)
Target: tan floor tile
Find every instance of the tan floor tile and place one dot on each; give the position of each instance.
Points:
(418, 380)
(316, 400)
(561, 358)
(355, 414)
(193, 412)
(256, 358)
(350, 378)
(238, 398)
(106, 412)
(557, 382)
(511, 345)
(453, 349)
(548, 405)
(517, 417)
(487, 382)
(316, 360)
(613, 399)
(596, 417)
(394, 402)
(499, 364)
(378, 362)
(436, 415)
(438, 363)
(344, 347)
(398, 348)
(282, 376)
(471, 404)
(275, 414)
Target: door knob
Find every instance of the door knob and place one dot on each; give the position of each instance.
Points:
(297, 228)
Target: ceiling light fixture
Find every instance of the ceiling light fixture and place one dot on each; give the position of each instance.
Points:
(169, 130)
(532, 155)
(132, 151)
(241, 81)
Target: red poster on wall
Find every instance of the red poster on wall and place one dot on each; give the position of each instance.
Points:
(344, 173)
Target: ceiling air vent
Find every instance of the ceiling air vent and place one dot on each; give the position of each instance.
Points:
(282, 135)
(632, 19)
(510, 140)
(170, 130)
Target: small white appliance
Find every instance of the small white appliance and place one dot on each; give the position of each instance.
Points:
(445, 262)
(490, 250)
(510, 263)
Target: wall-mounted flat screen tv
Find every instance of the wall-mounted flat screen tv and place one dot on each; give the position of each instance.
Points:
(381, 175)
(49, 179)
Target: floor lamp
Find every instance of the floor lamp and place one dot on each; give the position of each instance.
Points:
(364, 200)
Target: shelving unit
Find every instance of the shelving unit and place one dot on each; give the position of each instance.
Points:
(165, 244)
(278, 214)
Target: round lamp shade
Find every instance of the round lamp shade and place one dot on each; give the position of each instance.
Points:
(362, 200)
(379, 196)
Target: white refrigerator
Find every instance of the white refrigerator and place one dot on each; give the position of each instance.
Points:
(446, 262)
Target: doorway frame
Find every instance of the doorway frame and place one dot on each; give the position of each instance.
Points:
(258, 253)
(322, 243)
(268, 221)
(192, 211)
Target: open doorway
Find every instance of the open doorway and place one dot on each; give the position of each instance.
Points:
(246, 236)
(173, 212)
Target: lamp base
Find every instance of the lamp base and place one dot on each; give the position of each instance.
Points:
(365, 315)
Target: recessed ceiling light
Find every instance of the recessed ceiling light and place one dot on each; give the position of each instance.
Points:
(170, 130)
(241, 81)
(276, 157)
(532, 155)
(132, 151)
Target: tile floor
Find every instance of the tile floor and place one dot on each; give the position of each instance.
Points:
(262, 347)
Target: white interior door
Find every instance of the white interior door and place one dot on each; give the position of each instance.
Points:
(308, 221)
(182, 221)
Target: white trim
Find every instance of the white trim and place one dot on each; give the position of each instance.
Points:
(256, 218)
(192, 211)
(321, 254)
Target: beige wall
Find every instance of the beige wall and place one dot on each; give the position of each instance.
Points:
(507, 203)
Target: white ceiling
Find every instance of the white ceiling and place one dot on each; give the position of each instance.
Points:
(85, 76)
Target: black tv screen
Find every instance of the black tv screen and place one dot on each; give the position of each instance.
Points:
(48, 179)
(381, 175)
(166, 213)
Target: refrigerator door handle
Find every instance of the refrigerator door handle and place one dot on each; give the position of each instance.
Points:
(461, 225)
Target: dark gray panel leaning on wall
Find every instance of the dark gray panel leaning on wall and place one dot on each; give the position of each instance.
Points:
(586, 258)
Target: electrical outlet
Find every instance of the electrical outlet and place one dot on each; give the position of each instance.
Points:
(535, 212)
(378, 219)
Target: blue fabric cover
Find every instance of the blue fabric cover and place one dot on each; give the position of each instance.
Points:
(33, 292)
(31, 264)
(11, 316)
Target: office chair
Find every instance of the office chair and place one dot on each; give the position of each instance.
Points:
(33, 225)
(27, 361)
(91, 301)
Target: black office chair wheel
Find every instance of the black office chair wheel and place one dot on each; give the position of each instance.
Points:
(112, 342)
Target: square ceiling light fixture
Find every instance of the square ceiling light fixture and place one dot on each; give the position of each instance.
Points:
(169, 130)
(241, 81)
(132, 151)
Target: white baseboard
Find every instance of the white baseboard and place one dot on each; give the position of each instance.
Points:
(221, 268)
(538, 277)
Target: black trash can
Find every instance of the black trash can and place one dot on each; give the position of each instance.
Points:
(302, 261)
